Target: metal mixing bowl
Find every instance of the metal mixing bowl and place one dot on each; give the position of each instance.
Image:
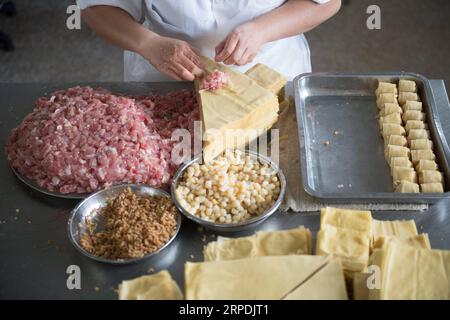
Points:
(232, 227)
(88, 209)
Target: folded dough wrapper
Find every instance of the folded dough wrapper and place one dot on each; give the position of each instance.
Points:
(327, 284)
(241, 104)
(351, 246)
(410, 273)
(261, 278)
(400, 228)
(271, 243)
(358, 220)
(158, 286)
(269, 79)
(419, 241)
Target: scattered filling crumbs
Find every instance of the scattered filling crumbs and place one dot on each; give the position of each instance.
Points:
(29, 221)
(135, 226)
(336, 133)
(97, 289)
(17, 210)
(326, 143)
(192, 256)
(151, 270)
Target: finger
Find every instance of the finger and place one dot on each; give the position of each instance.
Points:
(167, 70)
(182, 72)
(194, 57)
(237, 55)
(219, 48)
(172, 74)
(228, 49)
(188, 64)
(247, 57)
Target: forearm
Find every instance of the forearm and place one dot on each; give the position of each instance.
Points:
(118, 27)
(295, 17)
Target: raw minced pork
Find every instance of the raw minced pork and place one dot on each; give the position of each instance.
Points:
(82, 139)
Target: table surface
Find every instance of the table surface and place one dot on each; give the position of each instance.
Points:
(35, 251)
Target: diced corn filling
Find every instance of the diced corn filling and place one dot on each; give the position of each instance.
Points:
(230, 189)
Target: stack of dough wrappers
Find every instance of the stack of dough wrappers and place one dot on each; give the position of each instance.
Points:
(238, 113)
(356, 256)
(408, 145)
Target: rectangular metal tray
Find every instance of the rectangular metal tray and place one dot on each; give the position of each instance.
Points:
(341, 109)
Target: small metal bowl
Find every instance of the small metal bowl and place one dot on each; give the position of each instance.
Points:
(232, 227)
(88, 208)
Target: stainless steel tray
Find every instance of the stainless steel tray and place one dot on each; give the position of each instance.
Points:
(352, 166)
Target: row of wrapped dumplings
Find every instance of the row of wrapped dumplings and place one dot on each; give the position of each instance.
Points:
(408, 145)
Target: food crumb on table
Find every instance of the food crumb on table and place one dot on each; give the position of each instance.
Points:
(29, 221)
(326, 143)
(192, 256)
(97, 289)
(151, 270)
(17, 210)
(336, 133)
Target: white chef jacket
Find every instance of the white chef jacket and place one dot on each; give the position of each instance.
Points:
(204, 24)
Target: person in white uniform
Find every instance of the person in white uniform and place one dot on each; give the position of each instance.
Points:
(163, 39)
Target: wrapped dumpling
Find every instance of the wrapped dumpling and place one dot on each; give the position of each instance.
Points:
(396, 140)
(407, 96)
(407, 86)
(395, 151)
(401, 162)
(417, 155)
(426, 165)
(389, 108)
(415, 124)
(430, 176)
(403, 174)
(434, 187)
(394, 118)
(421, 144)
(413, 115)
(386, 98)
(390, 129)
(412, 105)
(407, 187)
(386, 87)
(415, 134)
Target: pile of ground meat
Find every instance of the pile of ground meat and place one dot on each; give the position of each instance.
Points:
(214, 81)
(82, 139)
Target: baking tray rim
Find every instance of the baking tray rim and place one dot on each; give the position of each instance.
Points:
(387, 197)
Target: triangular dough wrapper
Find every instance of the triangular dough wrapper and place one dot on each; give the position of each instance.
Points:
(158, 286)
(249, 279)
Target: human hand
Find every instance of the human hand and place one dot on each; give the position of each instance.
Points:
(174, 58)
(240, 46)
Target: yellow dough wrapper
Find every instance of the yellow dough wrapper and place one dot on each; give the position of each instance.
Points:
(271, 277)
(407, 187)
(389, 108)
(407, 96)
(415, 124)
(434, 187)
(412, 105)
(426, 165)
(386, 87)
(421, 144)
(407, 86)
(158, 286)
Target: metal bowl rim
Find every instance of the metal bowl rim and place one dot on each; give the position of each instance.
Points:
(231, 226)
(119, 261)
